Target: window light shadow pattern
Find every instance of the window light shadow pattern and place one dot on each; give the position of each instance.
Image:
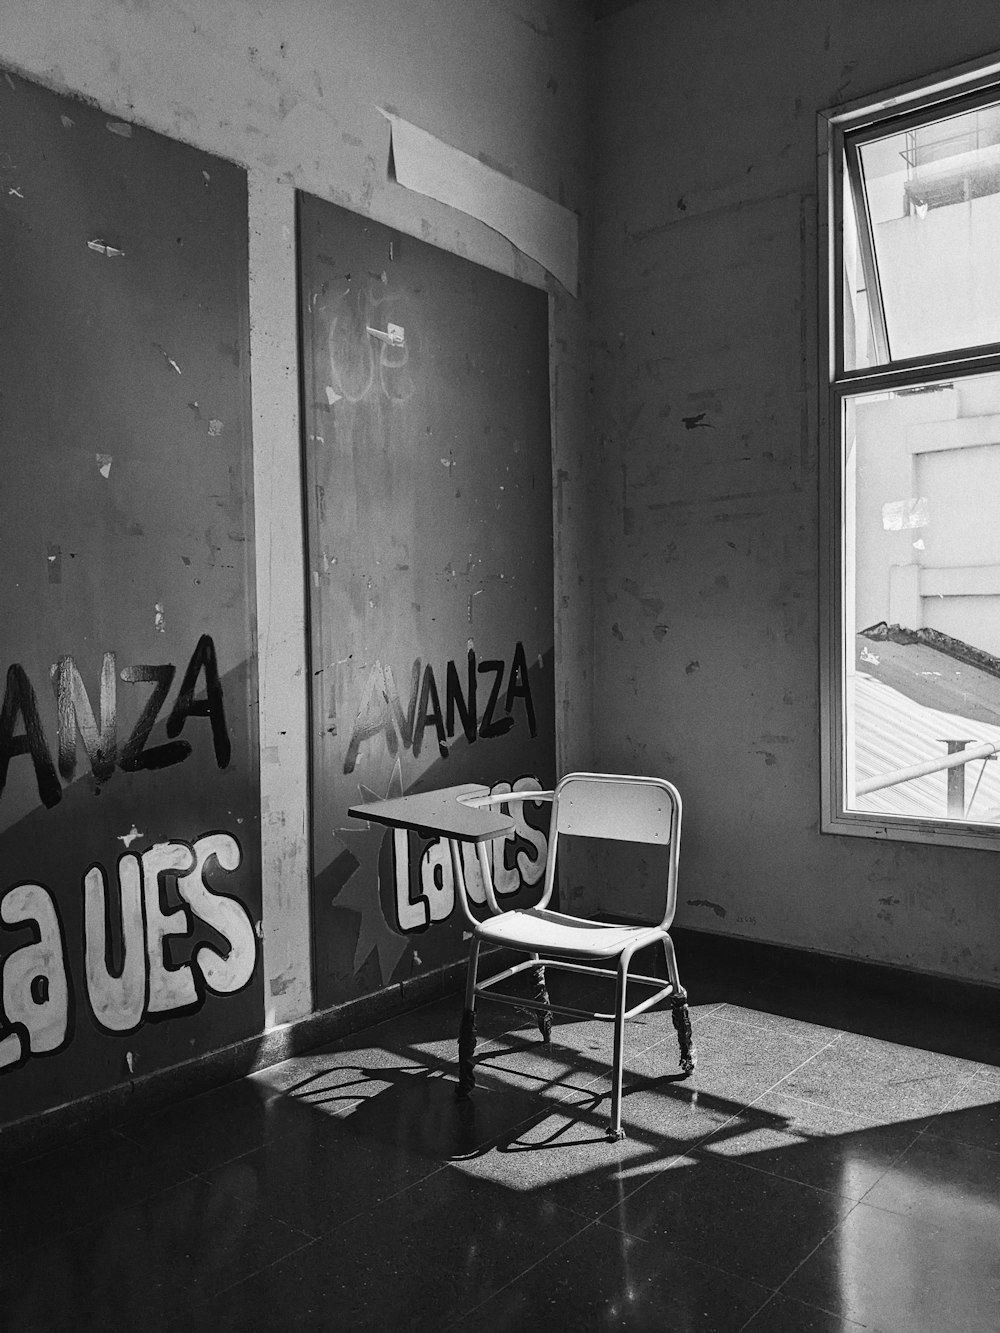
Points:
(777, 1157)
(808, 1176)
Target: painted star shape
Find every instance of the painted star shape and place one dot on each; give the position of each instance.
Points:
(360, 892)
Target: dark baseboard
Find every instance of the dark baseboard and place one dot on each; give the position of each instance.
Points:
(774, 961)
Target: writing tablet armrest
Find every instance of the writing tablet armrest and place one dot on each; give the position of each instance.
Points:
(439, 813)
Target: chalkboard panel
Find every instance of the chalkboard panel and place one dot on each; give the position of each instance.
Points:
(129, 825)
(429, 515)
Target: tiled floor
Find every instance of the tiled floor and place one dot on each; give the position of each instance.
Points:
(833, 1164)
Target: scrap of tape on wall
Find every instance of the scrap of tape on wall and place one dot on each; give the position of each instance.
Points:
(539, 227)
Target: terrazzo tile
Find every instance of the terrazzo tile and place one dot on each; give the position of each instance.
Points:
(50, 1196)
(904, 1275)
(218, 1125)
(942, 1182)
(752, 1224)
(815, 1145)
(417, 1261)
(781, 1315)
(139, 1262)
(973, 1114)
(736, 1064)
(870, 1076)
(603, 1279)
(346, 1188)
(566, 1155)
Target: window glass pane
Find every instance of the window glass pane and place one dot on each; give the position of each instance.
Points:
(921, 565)
(933, 200)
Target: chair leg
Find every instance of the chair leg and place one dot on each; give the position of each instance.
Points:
(615, 1131)
(679, 1011)
(542, 996)
(467, 1031)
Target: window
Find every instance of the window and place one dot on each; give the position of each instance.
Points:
(911, 490)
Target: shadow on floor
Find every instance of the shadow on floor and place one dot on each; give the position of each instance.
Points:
(807, 1176)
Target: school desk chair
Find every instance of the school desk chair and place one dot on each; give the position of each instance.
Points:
(588, 805)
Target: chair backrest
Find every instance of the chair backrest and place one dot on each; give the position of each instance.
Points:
(621, 807)
(604, 805)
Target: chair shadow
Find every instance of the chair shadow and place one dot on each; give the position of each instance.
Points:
(413, 1106)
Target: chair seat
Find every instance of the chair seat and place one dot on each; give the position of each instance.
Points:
(539, 930)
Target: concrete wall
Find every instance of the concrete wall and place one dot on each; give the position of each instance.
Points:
(686, 589)
(706, 603)
(128, 582)
(290, 91)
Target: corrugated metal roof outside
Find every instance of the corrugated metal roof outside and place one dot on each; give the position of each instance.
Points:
(891, 731)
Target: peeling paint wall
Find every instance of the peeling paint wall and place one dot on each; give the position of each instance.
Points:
(429, 519)
(290, 91)
(706, 603)
(129, 843)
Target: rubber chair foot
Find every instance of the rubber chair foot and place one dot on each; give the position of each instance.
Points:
(681, 1016)
(466, 1056)
(543, 1018)
(615, 1135)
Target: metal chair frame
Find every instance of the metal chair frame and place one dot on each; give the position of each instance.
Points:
(590, 805)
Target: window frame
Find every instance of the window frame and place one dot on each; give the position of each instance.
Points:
(840, 131)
